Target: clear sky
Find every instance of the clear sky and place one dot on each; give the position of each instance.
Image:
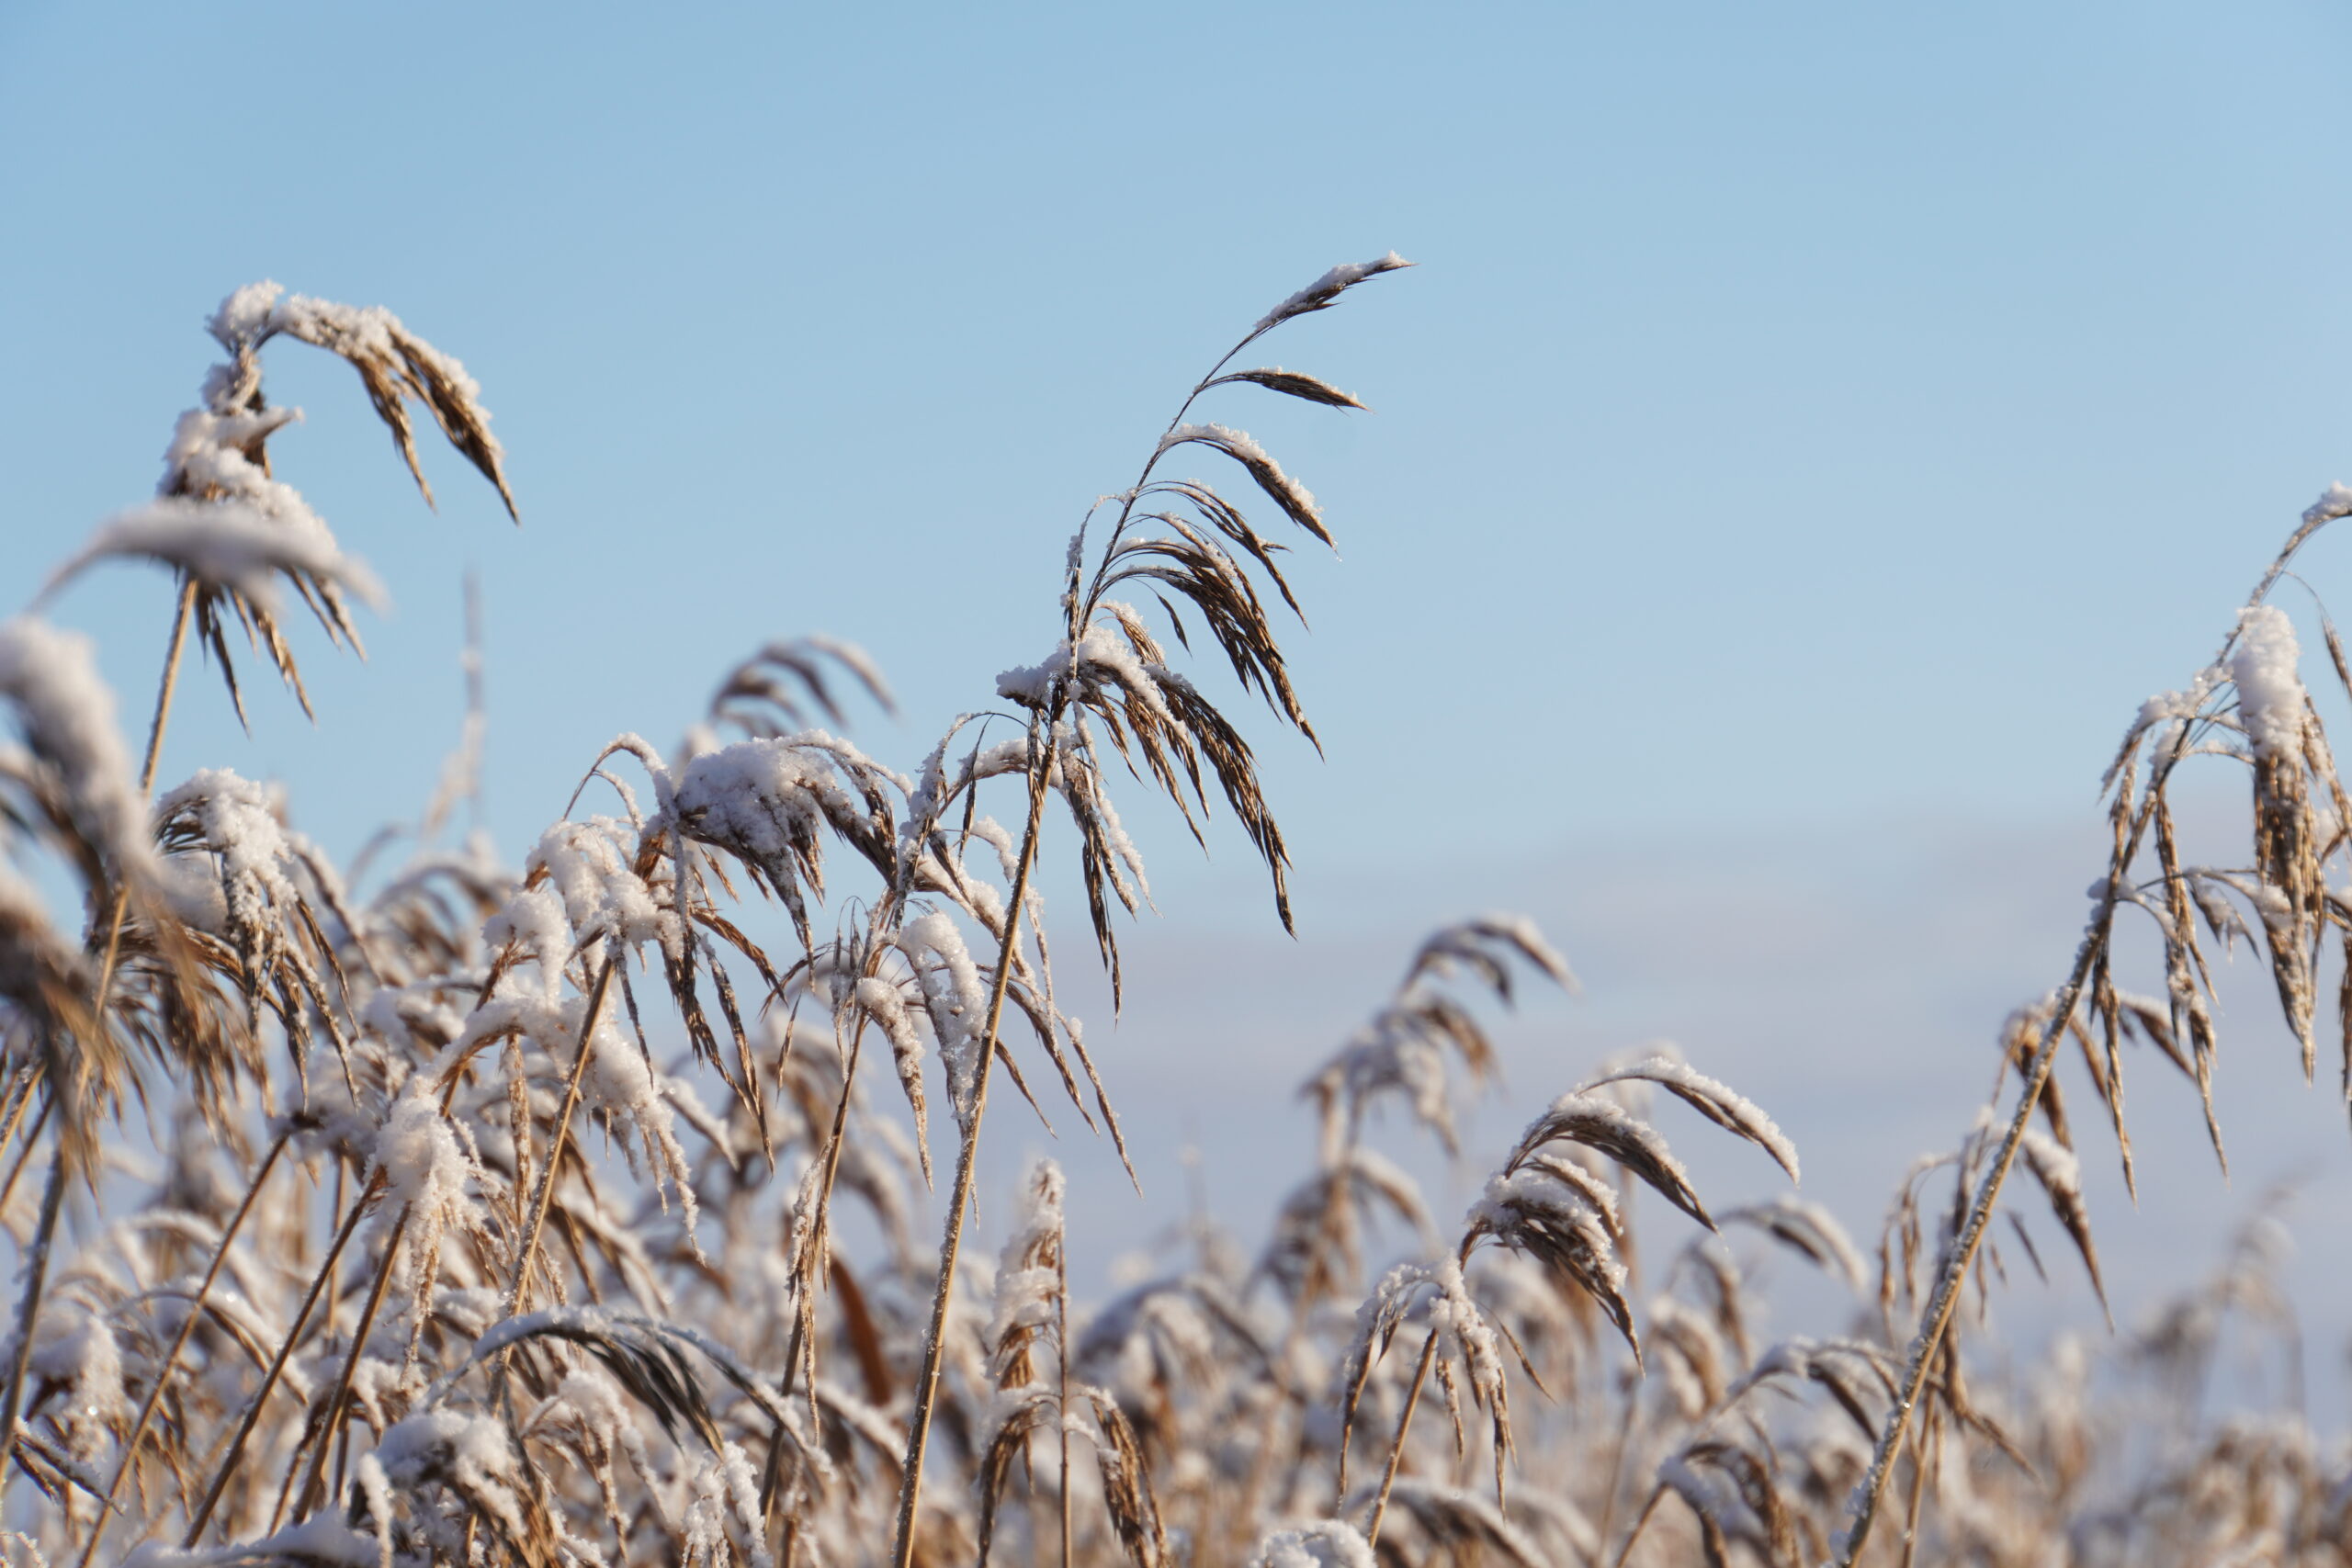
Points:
(1811, 432)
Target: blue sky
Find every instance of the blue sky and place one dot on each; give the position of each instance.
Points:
(1812, 431)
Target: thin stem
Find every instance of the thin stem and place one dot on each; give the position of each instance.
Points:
(1641, 1522)
(52, 1197)
(1919, 1466)
(520, 1291)
(1617, 1462)
(342, 1399)
(164, 690)
(21, 1093)
(966, 1160)
(1963, 1256)
(179, 1341)
(771, 1476)
(1062, 1359)
(53, 1194)
(25, 1153)
(340, 1402)
(230, 1461)
(1396, 1448)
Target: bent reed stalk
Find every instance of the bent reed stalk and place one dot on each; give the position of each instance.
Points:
(1937, 1319)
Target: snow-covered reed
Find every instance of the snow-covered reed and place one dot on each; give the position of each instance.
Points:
(549, 1213)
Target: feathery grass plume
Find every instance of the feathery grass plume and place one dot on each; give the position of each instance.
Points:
(763, 696)
(1316, 1244)
(66, 786)
(232, 531)
(249, 891)
(1403, 1050)
(1809, 1230)
(1734, 1490)
(1112, 669)
(1459, 1524)
(1110, 672)
(1165, 1348)
(1546, 1203)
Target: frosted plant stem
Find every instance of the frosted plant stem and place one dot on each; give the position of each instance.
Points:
(1396, 1448)
(1617, 1466)
(546, 1193)
(164, 690)
(32, 1141)
(772, 1475)
(966, 1159)
(339, 1405)
(1062, 1359)
(1933, 1439)
(179, 1342)
(521, 1290)
(1641, 1523)
(52, 1195)
(230, 1461)
(1962, 1255)
(342, 1398)
(1287, 1394)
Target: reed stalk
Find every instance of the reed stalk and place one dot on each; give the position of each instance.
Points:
(59, 1165)
(179, 1341)
(966, 1161)
(1397, 1444)
(230, 1461)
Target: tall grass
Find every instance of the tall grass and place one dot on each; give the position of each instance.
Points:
(493, 1215)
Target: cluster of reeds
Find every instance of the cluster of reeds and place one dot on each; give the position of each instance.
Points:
(490, 1215)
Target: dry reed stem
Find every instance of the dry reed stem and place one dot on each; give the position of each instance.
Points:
(1963, 1256)
(236, 1451)
(340, 1400)
(1061, 1401)
(179, 1341)
(1396, 1446)
(927, 1381)
(52, 1193)
(1641, 1522)
(36, 1267)
(531, 1244)
(1937, 1319)
(772, 1472)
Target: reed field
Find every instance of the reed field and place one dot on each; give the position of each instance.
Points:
(563, 1203)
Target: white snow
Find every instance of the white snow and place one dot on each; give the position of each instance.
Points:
(1328, 286)
(2270, 692)
(1744, 1115)
(2336, 501)
(1327, 1543)
(1244, 449)
(66, 714)
(240, 544)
